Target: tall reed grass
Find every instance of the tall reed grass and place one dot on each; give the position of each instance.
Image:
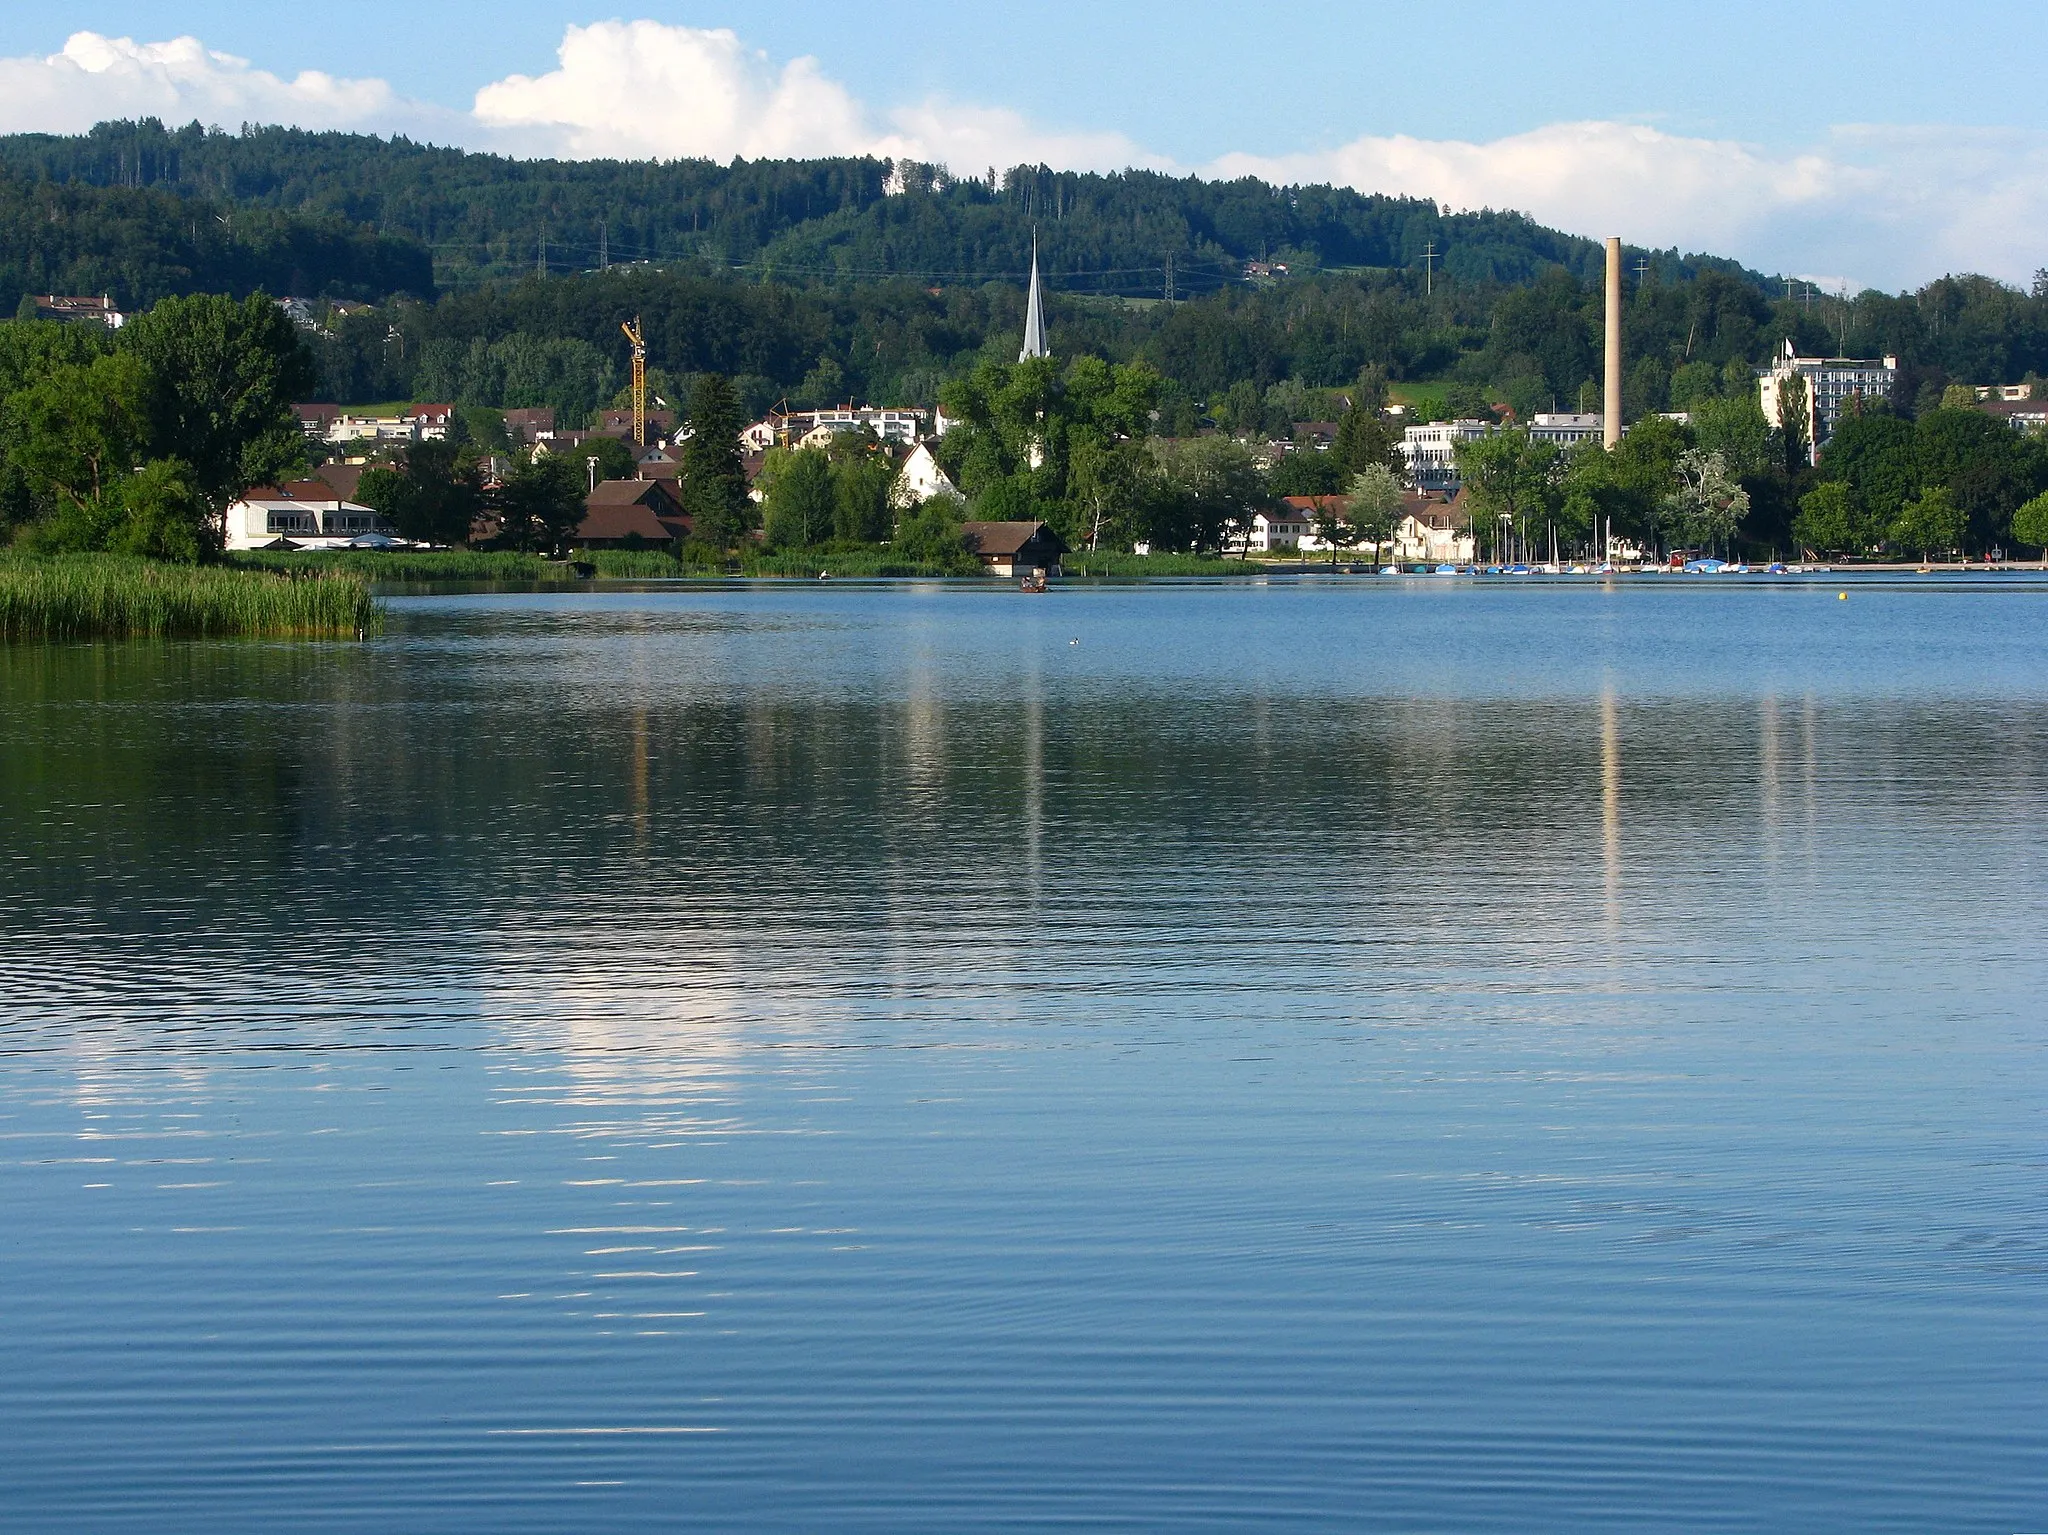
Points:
(98, 596)
(408, 565)
(1125, 566)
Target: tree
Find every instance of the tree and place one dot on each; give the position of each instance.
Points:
(1833, 520)
(1707, 505)
(1306, 472)
(1376, 508)
(1738, 430)
(541, 503)
(1641, 471)
(76, 431)
(1795, 425)
(1365, 438)
(1981, 461)
(714, 479)
(165, 515)
(799, 498)
(223, 377)
(930, 534)
(860, 497)
(615, 460)
(434, 496)
(1876, 455)
(1331, 519)
(1216, 486)
(1931, 522)
(2030, 523)
(1510, 476)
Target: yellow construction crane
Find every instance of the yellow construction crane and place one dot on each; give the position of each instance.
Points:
(635, 335)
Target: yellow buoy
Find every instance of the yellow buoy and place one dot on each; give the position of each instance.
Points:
(1841, 596)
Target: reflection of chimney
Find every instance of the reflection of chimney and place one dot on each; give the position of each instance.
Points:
(1611, 429)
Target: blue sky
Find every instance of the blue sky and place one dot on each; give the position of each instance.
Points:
(1881, 143)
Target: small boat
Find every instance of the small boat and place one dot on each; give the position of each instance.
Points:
(1516, 570)
(1777, 568)
(1390, 570)
(1034, 582)
(1705, 567)
(1737, 569)
(1447, 570)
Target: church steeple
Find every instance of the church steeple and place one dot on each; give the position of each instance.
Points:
(1034, 315)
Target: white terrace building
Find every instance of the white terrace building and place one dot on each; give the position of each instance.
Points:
(1432, 452)
(307, 513)
(1565, 429)
(1831, 383)
(814, 428)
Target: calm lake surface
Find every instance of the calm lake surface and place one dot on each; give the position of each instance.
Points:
(1373, 1055)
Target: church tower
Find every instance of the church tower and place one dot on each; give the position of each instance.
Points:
(1034, 315)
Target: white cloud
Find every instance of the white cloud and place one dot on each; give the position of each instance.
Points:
(645, 89)
(96, 78)
(1894, 205)
(640, 90)
(1891, 206)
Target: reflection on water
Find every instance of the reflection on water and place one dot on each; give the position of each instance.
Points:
(928, 1059)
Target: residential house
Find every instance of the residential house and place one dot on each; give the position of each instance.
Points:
(304, 514)
(1437, 530)
(528, 426)
(631, 514)
(1015, 548)
(56, 306)
(342, 479)
(316, 421)
(619, 423)
(1282, 530)
(920, 479)
(658, 463)
(430, 423)
(2022, 414)
(1431, 452)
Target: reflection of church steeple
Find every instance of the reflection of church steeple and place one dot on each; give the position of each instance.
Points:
(1034, 315)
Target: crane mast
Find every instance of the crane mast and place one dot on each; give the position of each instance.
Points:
(635, 335)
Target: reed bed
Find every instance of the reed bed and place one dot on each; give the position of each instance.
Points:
(407, 565)
(632, 564)
(1130, 566)
(96, 597)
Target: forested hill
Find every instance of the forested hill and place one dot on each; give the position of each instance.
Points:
(143, 244)
(820, 281)
(486, 216)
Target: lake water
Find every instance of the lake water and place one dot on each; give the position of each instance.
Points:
(1352, 1055)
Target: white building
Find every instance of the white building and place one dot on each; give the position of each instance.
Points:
(1565, 429)
(1285, 529)
(816, 427)
(1432, 452)
(1831, 383)
(306, 512)
(422, 423)
(919, 480)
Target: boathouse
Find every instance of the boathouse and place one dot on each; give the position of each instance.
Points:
(1015, 548)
